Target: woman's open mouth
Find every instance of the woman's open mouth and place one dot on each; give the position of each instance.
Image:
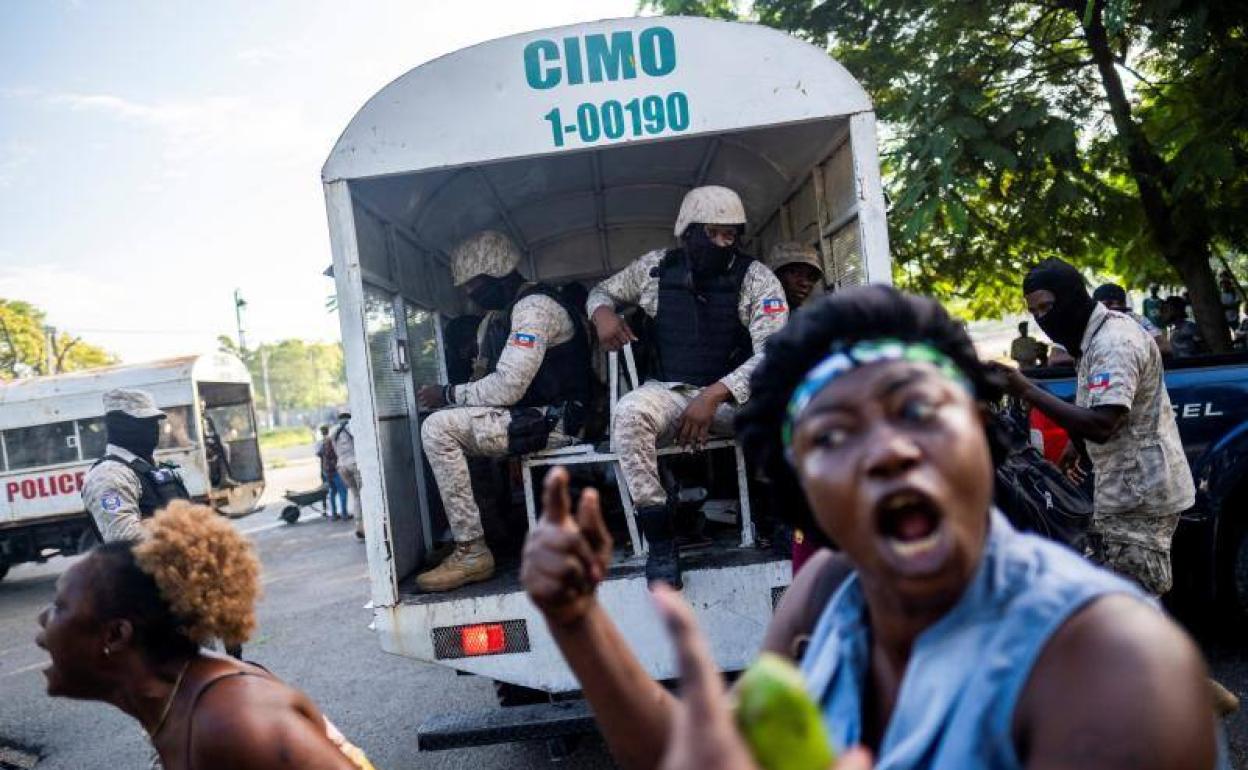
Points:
(910, 525)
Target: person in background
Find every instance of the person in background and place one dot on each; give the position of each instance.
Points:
(1228, 292)
(217, 453)
(1185, 337)
(940, 637)
(1241, 334)
(1027, 351)
(128, 627)
(126, 486)
(1114, 297)
(797, 267)
(712, 307)
(1153, 306)
(348, 471)
(337, 497)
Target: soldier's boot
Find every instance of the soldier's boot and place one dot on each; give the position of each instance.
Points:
(663, 559)
(1224, 701)
(470, 562)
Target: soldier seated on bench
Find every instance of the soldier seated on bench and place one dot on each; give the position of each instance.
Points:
(712, 308)
(530, 388)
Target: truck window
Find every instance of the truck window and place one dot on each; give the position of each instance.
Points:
(93, 436)
(41, 445)
(233, 422)
(178, 431)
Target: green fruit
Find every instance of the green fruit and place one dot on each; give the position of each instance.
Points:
(780, 723)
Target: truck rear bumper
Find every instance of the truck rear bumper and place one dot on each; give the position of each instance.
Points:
(496, 632)
(542, 721)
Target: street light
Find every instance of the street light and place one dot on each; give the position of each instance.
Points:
(239, 304)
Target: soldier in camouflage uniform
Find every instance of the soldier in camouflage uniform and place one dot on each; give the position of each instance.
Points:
(798, 269)
(530, 392)
(711, 308)
(1123, 415)
(126, 486)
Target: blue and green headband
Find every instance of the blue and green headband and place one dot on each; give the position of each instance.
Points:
(845, 358)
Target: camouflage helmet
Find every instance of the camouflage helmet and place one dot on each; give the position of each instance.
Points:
(709, 205)
(793, 253)
(489, 252)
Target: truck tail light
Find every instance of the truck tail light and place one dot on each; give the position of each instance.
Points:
(477, 639)
(486, 639)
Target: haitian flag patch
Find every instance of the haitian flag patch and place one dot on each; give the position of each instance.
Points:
(523, 340)
(1099, 381)
(772, 305)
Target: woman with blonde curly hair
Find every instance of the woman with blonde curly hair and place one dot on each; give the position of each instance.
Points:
(128, 627)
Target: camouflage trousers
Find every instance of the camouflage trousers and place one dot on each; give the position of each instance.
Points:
(450, 437)
(645, 419)
(1136, 546)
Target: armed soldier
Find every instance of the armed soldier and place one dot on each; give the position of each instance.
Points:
(126, 485)
(531, 390)
(712, 308)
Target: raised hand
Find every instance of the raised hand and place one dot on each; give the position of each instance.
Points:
(566, 556)
(703, 733)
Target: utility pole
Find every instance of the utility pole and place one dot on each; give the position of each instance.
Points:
(239, 304)
(49, 349)
(268, 391)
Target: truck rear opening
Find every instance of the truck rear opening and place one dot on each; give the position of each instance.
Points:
(578, 143)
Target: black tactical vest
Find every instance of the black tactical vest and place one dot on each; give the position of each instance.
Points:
(698, 334)
(161, 484)
(563, 379)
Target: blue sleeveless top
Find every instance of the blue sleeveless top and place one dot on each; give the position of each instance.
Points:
(956, 704)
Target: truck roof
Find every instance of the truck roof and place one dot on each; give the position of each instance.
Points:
(486, 102)
(74, 395)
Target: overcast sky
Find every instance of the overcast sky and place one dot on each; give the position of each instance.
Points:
(154, 156)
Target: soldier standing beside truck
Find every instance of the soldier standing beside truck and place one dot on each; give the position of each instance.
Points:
(530, 392)
(711, 309)
(126, 486)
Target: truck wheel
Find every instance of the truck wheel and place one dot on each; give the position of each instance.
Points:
(4, 569)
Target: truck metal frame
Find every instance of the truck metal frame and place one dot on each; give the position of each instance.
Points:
(578, 142)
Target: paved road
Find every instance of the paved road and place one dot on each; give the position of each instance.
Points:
(312, 633)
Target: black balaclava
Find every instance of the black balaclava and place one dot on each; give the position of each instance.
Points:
(1066, 322)
(705, 258)
(137, 434)
(495, 293)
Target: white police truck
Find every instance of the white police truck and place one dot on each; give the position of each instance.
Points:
(52, 432)
(579, 143)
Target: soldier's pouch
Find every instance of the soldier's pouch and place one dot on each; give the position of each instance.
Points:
(528, 430)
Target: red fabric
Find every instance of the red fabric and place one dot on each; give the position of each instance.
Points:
(1054, 437)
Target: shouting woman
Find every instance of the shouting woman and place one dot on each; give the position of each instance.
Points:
(128, 627)
(939, 637)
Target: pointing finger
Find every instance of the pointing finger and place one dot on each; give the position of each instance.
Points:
(556, 504)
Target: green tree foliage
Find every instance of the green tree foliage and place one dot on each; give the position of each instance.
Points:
(303, 375)
(1113, 133)
(23, 345)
